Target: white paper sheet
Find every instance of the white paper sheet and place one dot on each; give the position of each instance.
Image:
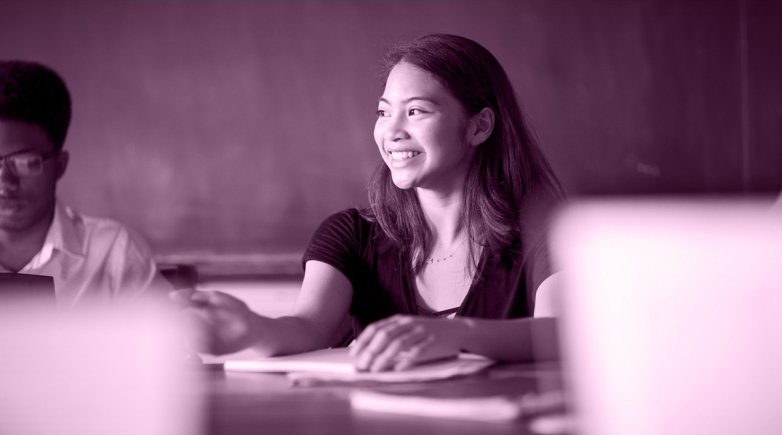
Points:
(338, 365)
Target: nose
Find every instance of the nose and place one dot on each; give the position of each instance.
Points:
(8, 179)
(396, 128)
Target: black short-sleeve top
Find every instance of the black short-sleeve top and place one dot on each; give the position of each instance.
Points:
(384, 285)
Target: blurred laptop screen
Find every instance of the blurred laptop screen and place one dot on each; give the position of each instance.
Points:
(672, 315)
(94, 371)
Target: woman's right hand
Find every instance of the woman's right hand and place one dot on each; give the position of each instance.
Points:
(401, 341)
(225, 323)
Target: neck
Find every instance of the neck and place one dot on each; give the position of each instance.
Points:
(443, 214)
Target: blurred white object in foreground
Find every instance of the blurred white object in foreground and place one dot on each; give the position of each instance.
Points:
(96, 371)
(672, 316)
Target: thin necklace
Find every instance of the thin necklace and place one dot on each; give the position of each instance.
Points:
(432, 260)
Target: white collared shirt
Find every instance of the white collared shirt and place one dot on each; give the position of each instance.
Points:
(94, 259)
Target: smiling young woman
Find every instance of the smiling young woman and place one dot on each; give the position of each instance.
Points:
(451, 252)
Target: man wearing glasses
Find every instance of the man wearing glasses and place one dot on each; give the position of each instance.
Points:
(89, 258)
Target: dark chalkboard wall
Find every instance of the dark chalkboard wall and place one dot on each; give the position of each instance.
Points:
(235, 127)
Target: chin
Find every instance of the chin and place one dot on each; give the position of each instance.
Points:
(403, 184)
(21, 219)
(12, 224)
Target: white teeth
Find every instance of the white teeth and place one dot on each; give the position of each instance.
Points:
(403, 155)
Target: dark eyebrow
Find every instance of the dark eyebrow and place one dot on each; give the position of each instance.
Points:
(407, 100)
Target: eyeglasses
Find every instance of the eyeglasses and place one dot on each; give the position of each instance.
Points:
(26, 163)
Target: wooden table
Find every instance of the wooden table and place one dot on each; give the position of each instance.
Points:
(260, 403)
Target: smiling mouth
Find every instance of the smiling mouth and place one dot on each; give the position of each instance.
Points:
(402, 155)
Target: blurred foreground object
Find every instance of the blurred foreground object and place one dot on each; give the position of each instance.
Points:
(672, 315)
(95, 371)
(777, 207)
(16, 287)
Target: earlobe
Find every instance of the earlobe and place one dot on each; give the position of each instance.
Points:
(483, 125)
(62, 163)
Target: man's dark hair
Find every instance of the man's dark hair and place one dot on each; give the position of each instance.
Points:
(34, 93)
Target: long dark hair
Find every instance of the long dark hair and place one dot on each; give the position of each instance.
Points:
(508, 171)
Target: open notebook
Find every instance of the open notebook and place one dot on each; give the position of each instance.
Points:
(672, 315)
(337, 365)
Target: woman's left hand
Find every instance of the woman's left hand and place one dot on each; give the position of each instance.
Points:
(401, 341)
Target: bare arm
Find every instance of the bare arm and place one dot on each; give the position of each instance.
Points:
(401, 341)
(322, 304)
(228, 325)
(516, 340)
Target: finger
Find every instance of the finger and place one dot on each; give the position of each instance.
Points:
(397, 349)
(413, 355)
(380, 341)
(211, 330)
(205, 298)
(368, 334)
(188, 298)
(220, 299)
(181, 298)
(383, 336)
(204, 316)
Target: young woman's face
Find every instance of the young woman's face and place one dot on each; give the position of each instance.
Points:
(421, 131)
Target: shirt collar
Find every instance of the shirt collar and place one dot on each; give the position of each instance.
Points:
(62, 235)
